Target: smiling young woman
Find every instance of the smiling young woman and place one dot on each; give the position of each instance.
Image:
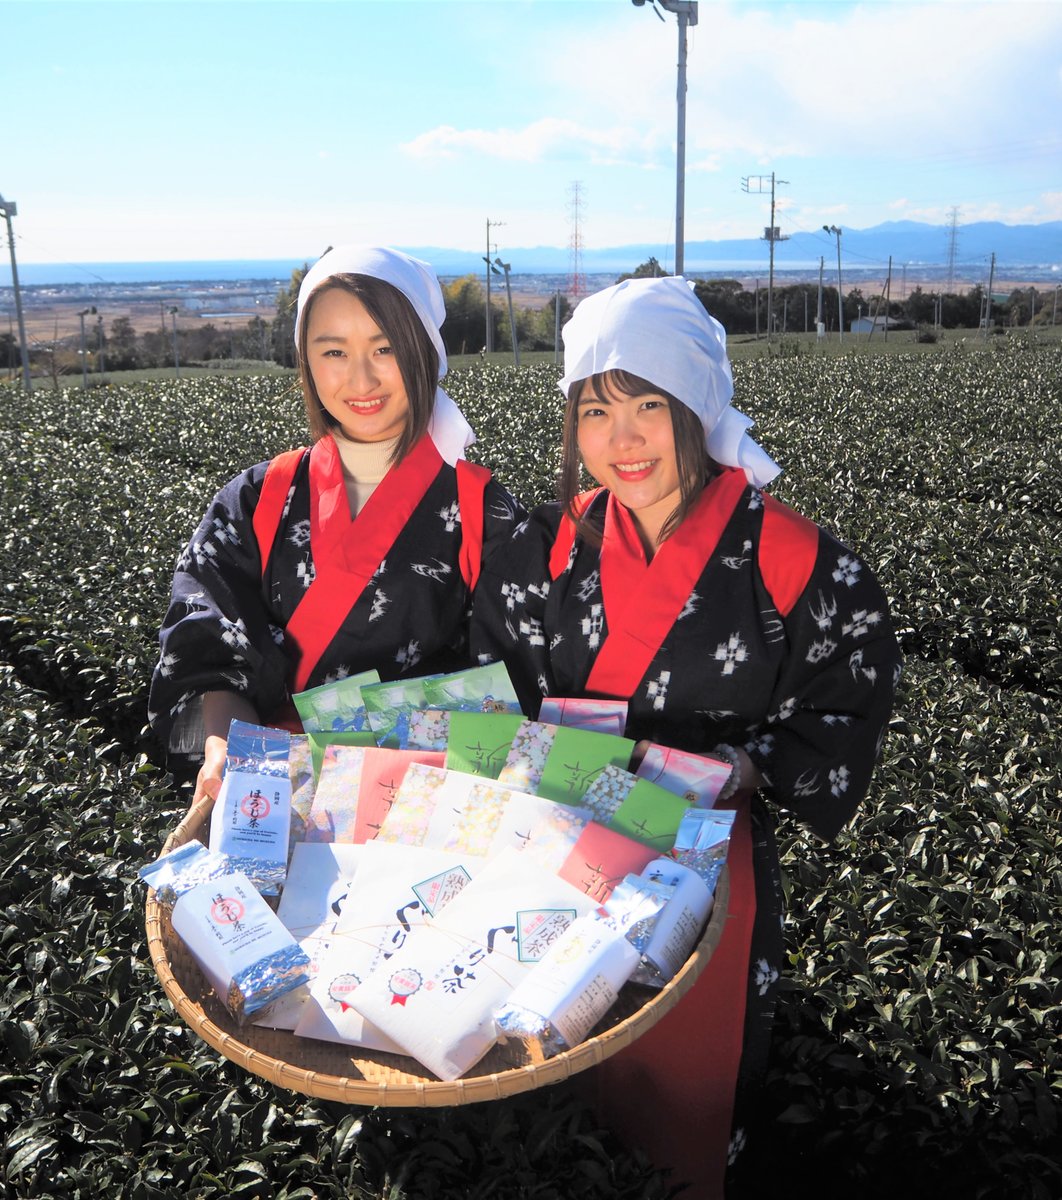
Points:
(732, 627)
(358, 553)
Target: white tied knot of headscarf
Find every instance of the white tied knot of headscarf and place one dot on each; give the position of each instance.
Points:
(416, 280)
(659, 330)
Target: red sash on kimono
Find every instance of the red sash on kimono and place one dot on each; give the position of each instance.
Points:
(347, 551)
(672, 1091)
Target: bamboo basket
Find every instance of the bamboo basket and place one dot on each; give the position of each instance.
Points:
(353, 1075)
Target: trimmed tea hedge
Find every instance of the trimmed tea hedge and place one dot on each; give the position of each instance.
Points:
(916, 1049)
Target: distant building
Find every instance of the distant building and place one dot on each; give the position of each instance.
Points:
(877, 324)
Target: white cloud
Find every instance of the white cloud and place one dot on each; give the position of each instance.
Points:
(546, 138)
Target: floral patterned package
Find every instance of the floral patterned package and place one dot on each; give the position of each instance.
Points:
(570, 989)
(303, 782)
(696, 777)
(437, 994)
(429, 729)
(251, 818)
(388, 705)
(559, 762)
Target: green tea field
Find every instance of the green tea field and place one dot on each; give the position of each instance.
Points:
(918, 1047)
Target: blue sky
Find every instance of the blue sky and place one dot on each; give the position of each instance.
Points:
(269, 128)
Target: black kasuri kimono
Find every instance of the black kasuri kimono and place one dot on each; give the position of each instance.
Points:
(280, 589)
(750, 626)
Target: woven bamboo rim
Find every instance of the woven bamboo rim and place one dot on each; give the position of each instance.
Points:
(353, 1075)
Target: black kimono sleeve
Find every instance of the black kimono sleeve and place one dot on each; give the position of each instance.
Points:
(833, 694)
(217, 634)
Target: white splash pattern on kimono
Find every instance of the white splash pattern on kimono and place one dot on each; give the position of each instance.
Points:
(277, 634)
(839, 780)
(755, 500)
(438, 572)
(299, 534)
(764, 744)
(656, 690)
(737, 1144)
(380, 604)
(847, 571)
(513, 595)
(202, 552)
(785, 710)
(736, 562)
(862, 623)
(588, 586)
(820, 651)
(731, 652)
(234, 633)
(855, 665)
(836, 719)
(167, 662)
(381, 570)
(592, 625)
(827, 610)
(531, 630)
(409, 656)
(541, 590)
(764, 975)
(806, 784)
(306, 572)
(557, 639)
(238, 680)
(336, 675)
(773, 628)
(451, 516)
(690, 607)
(287, 501)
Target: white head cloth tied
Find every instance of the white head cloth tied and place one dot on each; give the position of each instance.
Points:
(416, 280)
(658, 329)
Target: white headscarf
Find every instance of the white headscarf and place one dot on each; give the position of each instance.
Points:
(416, 280)
(658, 329)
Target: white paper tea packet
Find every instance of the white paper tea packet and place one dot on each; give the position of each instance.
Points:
(570, 989)
(437, 995)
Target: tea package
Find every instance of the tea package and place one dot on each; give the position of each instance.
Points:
(388, 707)
(240, 944)
(697, 778)
(635, 807)
(319, 880)
(335, 707)
(485, 689)
(559, 762)
(703, 840)
(437, 995)
(570, 989)
(598, 716)
(679, 924)
(251, 818)
(182, 869)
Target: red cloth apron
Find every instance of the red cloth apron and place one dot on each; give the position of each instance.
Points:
(672, 1091)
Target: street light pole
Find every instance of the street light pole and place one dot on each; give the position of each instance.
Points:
(840, 295)
(686, 11)
(489, 343)
(10, 209)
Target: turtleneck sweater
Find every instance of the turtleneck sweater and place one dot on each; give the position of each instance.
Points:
(364, 465)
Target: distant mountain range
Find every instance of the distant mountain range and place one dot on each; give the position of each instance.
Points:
(1033, 250)
(907, 242)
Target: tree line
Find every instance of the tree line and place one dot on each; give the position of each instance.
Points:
(793, 309)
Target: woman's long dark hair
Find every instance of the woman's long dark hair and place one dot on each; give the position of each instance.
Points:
(418, 360)
(695, 467)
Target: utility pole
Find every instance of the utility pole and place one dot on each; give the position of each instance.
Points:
(491, 269)
(84, 353)
(754, 184)
(9, 209)
(840, 295)
(686, 11)
(512, 321)
(988, 298)
(176, 357)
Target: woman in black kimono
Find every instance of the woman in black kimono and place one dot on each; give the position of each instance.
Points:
(732, 626)
(358, 553)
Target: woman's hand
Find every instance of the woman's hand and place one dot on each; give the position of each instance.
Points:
(219, 711)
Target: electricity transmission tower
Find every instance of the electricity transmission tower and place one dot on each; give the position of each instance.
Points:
(953, 242)
(754, 184)
(576, 279)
